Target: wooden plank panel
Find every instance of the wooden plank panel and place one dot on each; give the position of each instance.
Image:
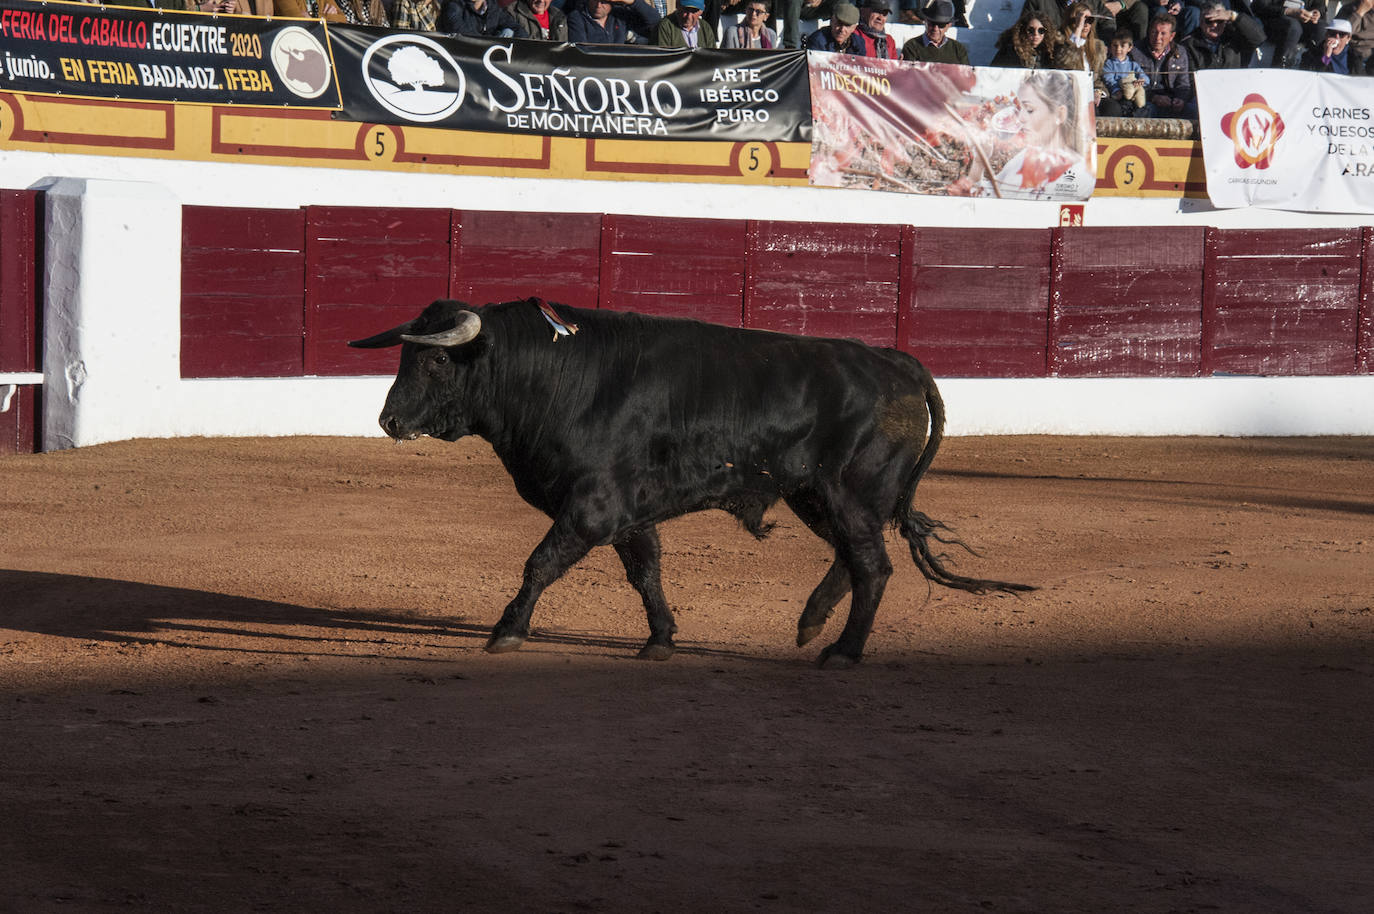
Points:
(977, 302)
(20, 428)
(243, 275)
(674, 267)
(1127, 302)
(367, 269)
(1283, 302)
(20, 306)
(1364, 346)
(825, 279)
(506, 256)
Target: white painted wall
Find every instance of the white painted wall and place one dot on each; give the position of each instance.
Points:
(112, 313)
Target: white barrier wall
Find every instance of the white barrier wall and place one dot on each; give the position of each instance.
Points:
(112, 319)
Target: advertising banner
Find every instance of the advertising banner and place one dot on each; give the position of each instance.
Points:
(547, 89)
(951, 130)
(114, 52)
(1287, 139)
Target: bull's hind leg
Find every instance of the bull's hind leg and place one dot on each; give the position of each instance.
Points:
(641, 556)
(559, 550)
(832, 588)
(865, 555)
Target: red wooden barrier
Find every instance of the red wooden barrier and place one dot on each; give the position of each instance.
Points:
(368, 269)
(1281, 301)
(1106, 302)
(1126, 302)
(20, 316)
(974, 302)
(504, 256)
(674, 267)
(242, 292)
(824, 279)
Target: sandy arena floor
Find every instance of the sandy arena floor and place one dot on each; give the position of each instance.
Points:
(246, 675)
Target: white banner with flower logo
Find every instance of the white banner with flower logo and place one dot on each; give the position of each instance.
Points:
(944, 129)
(1287, 139)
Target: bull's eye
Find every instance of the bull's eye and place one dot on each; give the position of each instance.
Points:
(441, 358)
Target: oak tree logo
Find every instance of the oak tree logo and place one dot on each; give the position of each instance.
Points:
(1255, 129)
(413, 77)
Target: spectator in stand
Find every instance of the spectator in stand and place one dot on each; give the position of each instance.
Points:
(1079, 48)
(1124, 78)
(1292, 26)
(232, 7)
(1186, 17)
(354, 12)
(612, 22)
(909, 13)
(838, 37)
(753, 32)
(416, 15)
(1166, 65)
(1360, 15)
(478, 18)
(540, 19)
(1028, 44)
(1054, 12)
(872, 30)
(934, 45)
(1226, 39)
(685, 28)
(1332, 55)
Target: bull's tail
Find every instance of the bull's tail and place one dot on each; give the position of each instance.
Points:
(919, 529)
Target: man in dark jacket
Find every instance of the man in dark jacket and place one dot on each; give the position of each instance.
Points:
(934, 45)
(1170, 83)
(480, 18)
(612, 22)
(838, 36)
(1225, 40)
(540, 19)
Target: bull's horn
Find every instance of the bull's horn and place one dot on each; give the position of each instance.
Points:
(390, 337)
(469, 325)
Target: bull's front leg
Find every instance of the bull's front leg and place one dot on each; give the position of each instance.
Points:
(559, 550)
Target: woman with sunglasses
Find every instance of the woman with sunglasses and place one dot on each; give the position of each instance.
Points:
(753, 30)
(1079, 48)
(1027, 45)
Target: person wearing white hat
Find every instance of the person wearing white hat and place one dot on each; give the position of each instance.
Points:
(1330, 56)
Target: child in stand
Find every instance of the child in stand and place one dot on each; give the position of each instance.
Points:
(1124, 78)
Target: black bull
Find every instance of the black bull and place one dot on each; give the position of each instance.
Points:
(637, 419)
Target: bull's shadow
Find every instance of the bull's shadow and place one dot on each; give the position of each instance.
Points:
(132, 613)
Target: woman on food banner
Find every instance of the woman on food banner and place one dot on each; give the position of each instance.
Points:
(951, 130)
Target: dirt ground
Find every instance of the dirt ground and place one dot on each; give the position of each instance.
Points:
(246, 675)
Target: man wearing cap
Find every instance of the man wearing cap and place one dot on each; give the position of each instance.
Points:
(1360, 15)
(685, 28)
(872, 30)
(934, 45)
(1225, 40)
(838, 36)
(1331, 55)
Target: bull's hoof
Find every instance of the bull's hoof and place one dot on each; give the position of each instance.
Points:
(806, 633)
(504, 644)
(656, 651)
(830, 660)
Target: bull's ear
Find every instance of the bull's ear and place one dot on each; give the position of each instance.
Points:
(469, 325)
(390, 337)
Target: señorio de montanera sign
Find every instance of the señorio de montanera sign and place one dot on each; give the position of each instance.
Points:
(536, 87)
